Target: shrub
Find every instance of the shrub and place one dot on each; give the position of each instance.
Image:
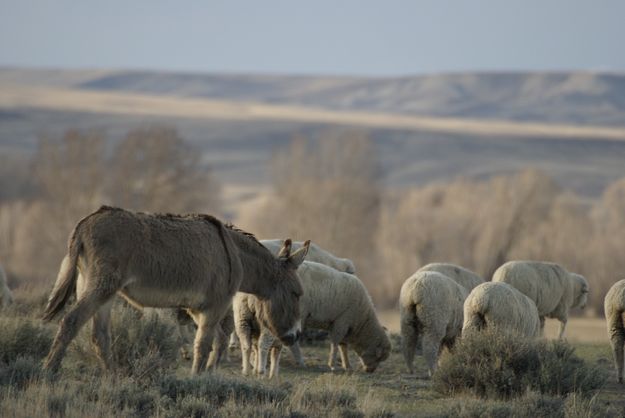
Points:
(22, 337)
(562, 372)
(502, 365)
(216, 390)
(142, 346)
(529, 406)
(20, 372)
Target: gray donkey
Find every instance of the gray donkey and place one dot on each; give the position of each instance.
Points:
(170, 261)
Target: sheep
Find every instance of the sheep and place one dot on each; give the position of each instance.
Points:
(6, 298)
(553, 289)
(460, 275)
(614, 306)
(430, 305)
(249, 330)
(339, 303)
(315, 253)
(499, 305)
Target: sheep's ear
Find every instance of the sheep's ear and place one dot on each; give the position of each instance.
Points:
(285, 251)
(297, 258)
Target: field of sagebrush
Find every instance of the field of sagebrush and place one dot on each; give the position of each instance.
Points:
(493, 377)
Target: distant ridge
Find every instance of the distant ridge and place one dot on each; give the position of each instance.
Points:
(579, 98)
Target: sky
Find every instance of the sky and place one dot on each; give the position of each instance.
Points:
(342, 37)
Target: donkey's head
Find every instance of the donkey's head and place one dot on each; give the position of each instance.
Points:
(279, 310)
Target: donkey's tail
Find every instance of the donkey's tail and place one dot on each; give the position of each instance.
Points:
(65, 285)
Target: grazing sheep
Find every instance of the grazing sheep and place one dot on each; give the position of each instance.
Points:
(430, 305)
(339, 303)
(499, 305)
(614, 305)
(553, 289)
(316, 254)
(6, 298)
(460, 275)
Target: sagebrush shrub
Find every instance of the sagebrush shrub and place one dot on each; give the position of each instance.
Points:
(500, 365)
(23, 337)
(142, 346)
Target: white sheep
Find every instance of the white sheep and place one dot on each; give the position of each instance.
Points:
(460, 275)
(430, 305)
(614, 306)
(553, 289)
(315, 253)
(6, 298)
(334, 301)
(500, 306)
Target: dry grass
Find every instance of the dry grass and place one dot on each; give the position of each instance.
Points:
(16, 96)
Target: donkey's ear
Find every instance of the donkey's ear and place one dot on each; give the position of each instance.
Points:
(285, 251)
(297, 258)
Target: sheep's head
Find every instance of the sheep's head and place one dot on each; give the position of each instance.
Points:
(580, 286)
(374, 354)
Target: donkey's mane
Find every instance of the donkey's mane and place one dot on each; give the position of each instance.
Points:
(236, 229)
(199, 216)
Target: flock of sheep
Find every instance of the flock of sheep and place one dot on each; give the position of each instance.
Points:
(438, 304)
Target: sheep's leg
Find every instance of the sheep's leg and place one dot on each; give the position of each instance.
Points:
(84, 309)
(275, 361)
(431, 349)
(246, 353)
(297, 354)
(410, 340)
(337, 335)
(265, 343)
(562, 328)
(234, 341)
(617, 341)
(344, 356)
(332, 357)
(542, 326)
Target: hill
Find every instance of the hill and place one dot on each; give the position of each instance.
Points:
(427, 128)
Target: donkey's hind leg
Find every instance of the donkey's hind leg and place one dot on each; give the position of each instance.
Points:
(84, 309)
(101, 335)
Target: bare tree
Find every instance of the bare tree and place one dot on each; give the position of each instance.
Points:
(329, 192)
(154, 169)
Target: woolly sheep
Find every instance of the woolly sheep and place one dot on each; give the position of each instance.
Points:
(614, 305)
(460, 275)
(430, 305)
(315, 253)
(553, 289)
(339, 303)
(499, 305)
(6, 298)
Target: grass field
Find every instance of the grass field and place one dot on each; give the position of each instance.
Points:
(81, 390)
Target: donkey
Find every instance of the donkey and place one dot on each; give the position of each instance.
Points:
(192, 262)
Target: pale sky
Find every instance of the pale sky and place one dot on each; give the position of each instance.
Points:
(365, 37)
